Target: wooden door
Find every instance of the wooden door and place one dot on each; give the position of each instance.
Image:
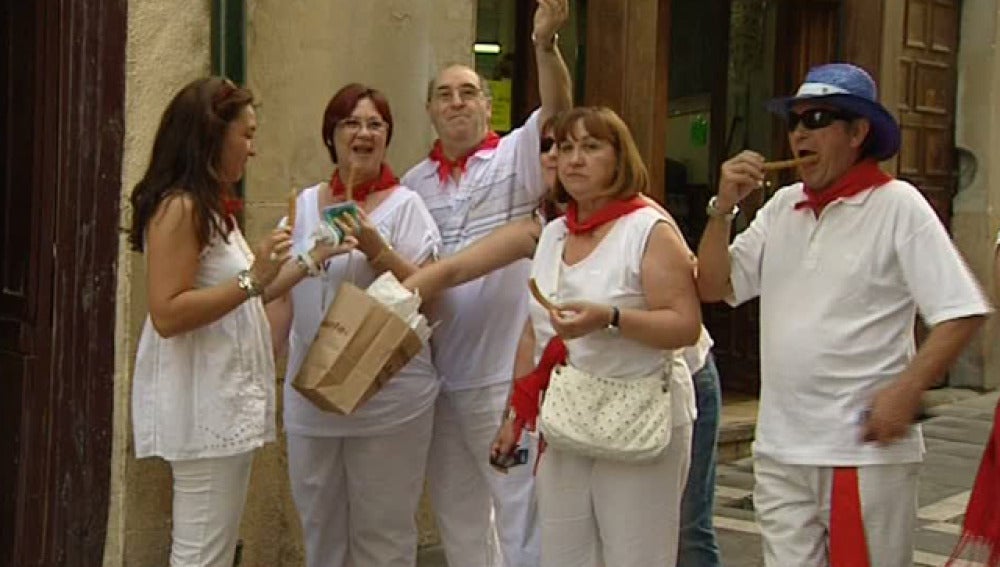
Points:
(925, 101)
(628, 49)
(62, 67)
(810, 37)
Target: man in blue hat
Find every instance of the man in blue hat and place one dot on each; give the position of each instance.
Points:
(842, 262)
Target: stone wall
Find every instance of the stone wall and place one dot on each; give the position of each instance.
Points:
(977, 206)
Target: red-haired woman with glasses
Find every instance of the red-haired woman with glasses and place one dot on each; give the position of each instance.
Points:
(357, 479)
(203, 389)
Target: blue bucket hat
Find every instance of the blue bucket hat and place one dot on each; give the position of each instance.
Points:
(849, 88)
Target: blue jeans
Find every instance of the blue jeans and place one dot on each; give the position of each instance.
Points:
(698, 547)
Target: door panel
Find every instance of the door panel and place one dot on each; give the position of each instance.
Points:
(63, 72)
(926, 101)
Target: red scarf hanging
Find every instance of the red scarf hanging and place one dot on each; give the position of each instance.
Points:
(231, 206)
(386, 179)
(446, 166)
(848, 543)
(863, 175)
(981, 529)
(527, 393)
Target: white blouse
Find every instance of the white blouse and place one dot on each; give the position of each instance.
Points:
(208, 392)
(403, 220)
(611, 274)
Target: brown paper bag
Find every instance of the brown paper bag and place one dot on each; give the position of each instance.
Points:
(360, 345)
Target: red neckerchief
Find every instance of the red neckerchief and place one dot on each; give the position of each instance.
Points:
(863, 175)
(605, 214)
(231, 206)
(386, 179)
(447, 166)
(527, 394)
(981, 528)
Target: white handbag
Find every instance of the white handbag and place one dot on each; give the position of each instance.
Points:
(619, 419)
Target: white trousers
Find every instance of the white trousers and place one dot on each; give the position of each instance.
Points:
(209, 495)
(603, 513)
(463, 485)
(793, 509)
(357, 497)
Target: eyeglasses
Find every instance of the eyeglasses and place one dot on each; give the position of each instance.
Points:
(466, 93)
(354, 125)
(546, 144)
(817, 118)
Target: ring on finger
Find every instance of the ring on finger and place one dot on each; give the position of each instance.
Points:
(272, 256)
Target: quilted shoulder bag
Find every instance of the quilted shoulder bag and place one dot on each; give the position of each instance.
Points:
(620, 419)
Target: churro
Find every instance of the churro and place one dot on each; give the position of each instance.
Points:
(537, 294)
(292, 201)
(788, 163)
(350, 183)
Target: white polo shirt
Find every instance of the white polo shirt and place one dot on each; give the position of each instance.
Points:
(481, 321)
(838, 300)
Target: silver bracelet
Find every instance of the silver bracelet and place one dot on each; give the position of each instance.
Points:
(249, 284)
(309, 264)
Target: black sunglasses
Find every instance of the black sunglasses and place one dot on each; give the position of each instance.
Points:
(546, 144)
(817, 118)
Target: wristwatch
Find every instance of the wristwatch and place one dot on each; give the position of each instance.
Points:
(248, 284)
(614, 326)
(548, 46)
(306, 262)
(713, 211)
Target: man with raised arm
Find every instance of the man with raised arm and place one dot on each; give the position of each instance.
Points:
(474, 181)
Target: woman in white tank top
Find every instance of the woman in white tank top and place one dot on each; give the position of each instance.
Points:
(203, 387)
(624, 281)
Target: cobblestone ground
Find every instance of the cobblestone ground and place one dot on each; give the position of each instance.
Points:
(955, 435)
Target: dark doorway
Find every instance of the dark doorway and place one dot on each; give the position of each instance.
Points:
(62, 114)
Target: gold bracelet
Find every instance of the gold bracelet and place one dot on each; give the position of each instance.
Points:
(378, 257)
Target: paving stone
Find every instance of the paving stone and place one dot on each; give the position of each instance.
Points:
(935, 542)
(981, 414)
(734, 478)
(950, 463)
(986, 401)
(740, 550)
(947, 396)
(930, 492)
(964, 450)
(975, 435)
(945, 478)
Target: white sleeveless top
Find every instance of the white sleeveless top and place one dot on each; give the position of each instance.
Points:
(610, 274)
(695, 355)
(403, 220)
(207, 392)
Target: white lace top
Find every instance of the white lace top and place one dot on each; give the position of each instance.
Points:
(208, 392)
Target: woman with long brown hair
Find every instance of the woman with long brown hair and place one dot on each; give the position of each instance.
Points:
(203, 390)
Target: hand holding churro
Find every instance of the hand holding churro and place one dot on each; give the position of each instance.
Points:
(740, 175)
